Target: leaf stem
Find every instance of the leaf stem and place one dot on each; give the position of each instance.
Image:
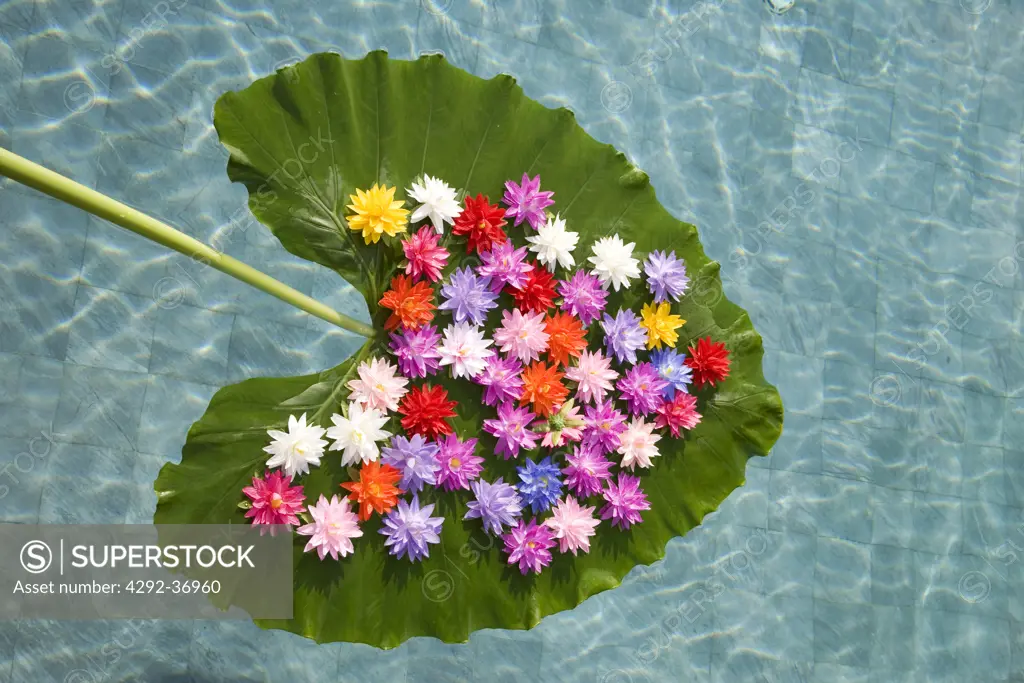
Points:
(66, 190)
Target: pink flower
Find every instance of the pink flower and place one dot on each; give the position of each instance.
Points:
(679, 412)
(274, 500)
(522, 336)
(529, 545)
(425, 254)
(638, 444)
(378, 385)
(333, 528)
(624, 502)
(573, 525)
(593, 375)
(561, 427)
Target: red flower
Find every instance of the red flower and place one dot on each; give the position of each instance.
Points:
(565, 337)
(482, 224)
(709, 362)
(412, 304)
(425, 410)
(375, 491)
(538, 293)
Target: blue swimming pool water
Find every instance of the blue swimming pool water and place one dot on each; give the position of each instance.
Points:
(854, 166)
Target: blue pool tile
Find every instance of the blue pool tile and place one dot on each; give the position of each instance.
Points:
(847, 391)
(871, 60)
(938, 524)
(170, 409)
(1013, 462)
(748, 505)
(864, 176)
(37, 659)
(948, 644)
(845, 510)
(18, 14)
(582, 32)
(34, 314)
(144, 103)
(844, 447)
(111, 330)
(842, 571)
(942, 410)
(992, 152)
(867, 118)
(497, 655)
(827, 45)
(776, 83)
(90, 23)
(909, 181)
(724, 67)
(191, 343)
(64, 82)
(892, 517)
(66, 501)
(799, 447)
(851, 333)
(118, 260)
(819, 100)
(100, 407)
(952, 193)
(801, 383)
(984, 364)
(893, 580)
(962, 90)
(896, 398)
(53, 232)
(843, 633)
(1013, 421)
(794, 502)
(25, 476)
(984, 478)
(1000, 104)
(987, 526)
(436, 32)
(893, 646)
(939, 465)
(983, 418)
(788, 562)
(996, 204)
(865, 217)
(29, 401)
(812, 270)
(259, 347)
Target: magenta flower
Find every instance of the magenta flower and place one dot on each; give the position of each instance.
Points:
(425, 255)
(274, 500)
(459, 464)
(505, 265)
(522, 335)
(467, 296)
(624, 501)
(416, 351)
(587, 471)
(604, 425)
(593, 375)
(526, 202)
(529, 546)
(512, 428)
(679, 412)
(502, 380)
(641, 388)
(583, 296)
(666, 276)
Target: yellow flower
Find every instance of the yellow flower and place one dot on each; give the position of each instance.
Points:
(661, 325)
(377, 213)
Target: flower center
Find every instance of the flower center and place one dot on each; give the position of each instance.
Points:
(605, 425)
(544, 482)
(643, 387)
(374, 490)
(483, 225)
(454, 464)
(531, 545)
(276, 501)
(379, 387)
(300, 448)
(410, 463)
(557, 423)
(638, 444)
(357, 436)
(589, 470)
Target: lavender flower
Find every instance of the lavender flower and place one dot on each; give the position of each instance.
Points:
(416, 351)
(623, 335)
(502, 379)
(512, 429)
(458, 463)
(583, 296)
(526, 202)
(505, 265)
(587, 471)
(468, 296)
(666, 276)
(415, 458)
(604, 424)
(410, 528)
(673, 369)
(641, 388)
(540, 484)
(497, 505)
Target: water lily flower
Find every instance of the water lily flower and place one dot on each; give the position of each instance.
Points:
(624, 501)
(375, 491)
(411, 530)
(415, 458)
(376, 213)
(274, 500)
(672, 367)
(593, 376)
(679, 413)
(511, 428)
(378, 386)
(561, 427)
(502, 380)
(623, 335)
(298, 448)
(437, 202)
(529, 546)
(587, 470)
(333, 527)
(497, 505)
(464, 348)
(583, 296)
(416, 351)
(543, 388)
(554, 245)
(505, 265)
(412, 305)
(522, 335)
(468, 296)
(613, 262)
(538, 292)
(709, 361)
(638, 444)
(425, 255)
(540, 484)
(604, 425)
(458, 462)
(426, 410)
(356, 435)
(666, 276)
(573, 525)
(481, 223)
(565, 337)
(661, 325)
(642, 388)
(526, 201)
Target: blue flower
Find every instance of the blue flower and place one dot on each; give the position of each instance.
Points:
(540, 484)
(672, 368)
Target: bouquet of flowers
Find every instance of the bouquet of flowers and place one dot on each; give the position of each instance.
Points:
(581, 419)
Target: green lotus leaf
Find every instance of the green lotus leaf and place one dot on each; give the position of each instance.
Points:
(302, 141)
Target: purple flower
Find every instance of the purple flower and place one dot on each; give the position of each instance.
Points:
(604, 424)
(529, 545)
(468, 296)
(673, 369)
(623, 335)
(512, 429)
(583, 296)
(666, 276)
(624, 501)
(526, 202)
(497, 505)
(587, 471)
(417, 351)
(503, 380)
(641, 389)
(458, 463)
(505, 265)
(410, 528)
(415, 458)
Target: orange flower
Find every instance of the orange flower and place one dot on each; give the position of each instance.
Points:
(375, 491)
(412, 304)
(565, 337)
(542, 387)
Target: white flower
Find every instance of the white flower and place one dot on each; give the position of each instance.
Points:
(637, 444)
(437, 201)
(465, 349)
(554, 244)
(357, 435)
(614, 263)
(377, 386)
(298, 448)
